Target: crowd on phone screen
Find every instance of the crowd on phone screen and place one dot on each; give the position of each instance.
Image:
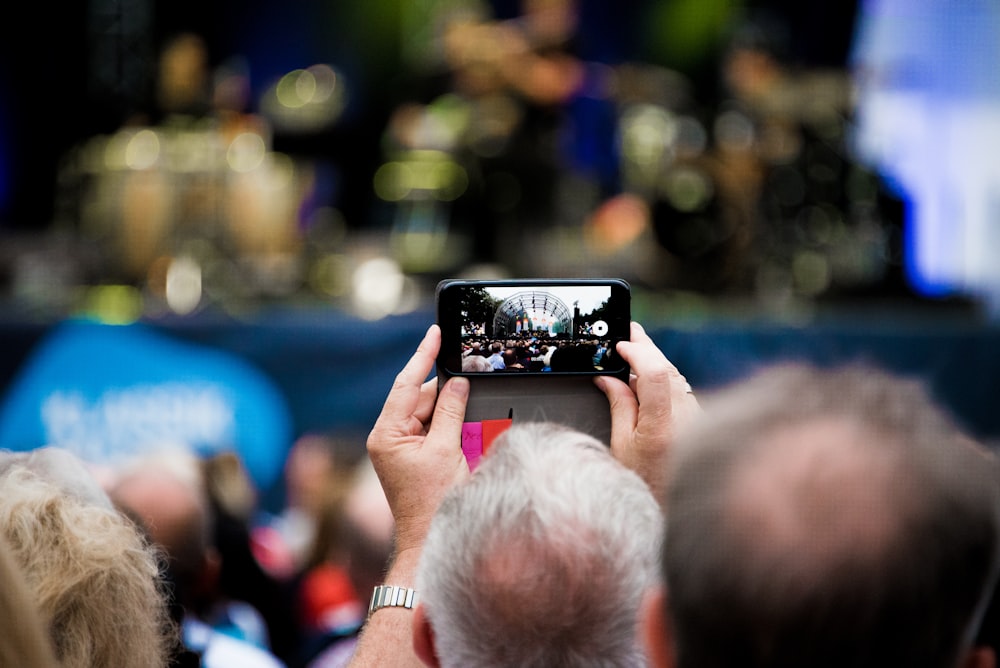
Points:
(532, 352)
(816, 518)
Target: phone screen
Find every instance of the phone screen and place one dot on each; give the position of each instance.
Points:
(533, 327)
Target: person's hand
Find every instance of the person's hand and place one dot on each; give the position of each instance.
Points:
(416, 443)
(648, 411)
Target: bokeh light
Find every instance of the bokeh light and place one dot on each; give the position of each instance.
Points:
(183, 285)
(377, 287)
(246, 152)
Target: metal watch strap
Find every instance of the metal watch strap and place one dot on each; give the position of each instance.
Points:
(386, 596)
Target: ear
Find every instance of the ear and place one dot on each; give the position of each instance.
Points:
(980, 657)
(423, 637)
(657, 632)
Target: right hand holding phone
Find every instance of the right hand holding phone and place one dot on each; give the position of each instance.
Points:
(648, 411)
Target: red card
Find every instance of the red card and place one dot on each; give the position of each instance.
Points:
(492, 429)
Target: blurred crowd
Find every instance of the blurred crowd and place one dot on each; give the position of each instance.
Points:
(805, 516)
(508, 147)
(242, 586)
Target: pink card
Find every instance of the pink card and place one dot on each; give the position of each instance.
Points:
(472, 443)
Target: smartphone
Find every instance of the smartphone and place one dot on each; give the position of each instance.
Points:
(533, 327)
(531, 347)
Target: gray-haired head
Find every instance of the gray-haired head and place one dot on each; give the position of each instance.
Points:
(543, 557)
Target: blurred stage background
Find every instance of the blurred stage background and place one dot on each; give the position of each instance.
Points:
(287, 182)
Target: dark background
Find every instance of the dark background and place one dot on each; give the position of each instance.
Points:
(70, 70)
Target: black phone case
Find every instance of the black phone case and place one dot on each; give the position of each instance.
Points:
(569, 399)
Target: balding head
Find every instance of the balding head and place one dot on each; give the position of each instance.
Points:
(173, 508)
(814, 496)
(828, 519)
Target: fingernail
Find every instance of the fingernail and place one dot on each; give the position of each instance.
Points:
(459, 385)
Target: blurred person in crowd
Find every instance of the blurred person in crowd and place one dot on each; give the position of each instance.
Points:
(324, 591)
(234, 505)
(363, 550)
(575, 357)
(413, 447)
(165, 494)
(305, 533)
(317, 471)
(510, 360)
(369, 529)
(312, 543)
(826, 518)
(523, 103)
(24, 640)
(781, 159)
(94, 577)
(540, 558)
(183, 81)
(496, 358)
(476, 363)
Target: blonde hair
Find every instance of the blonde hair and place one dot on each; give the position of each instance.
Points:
(94, 577)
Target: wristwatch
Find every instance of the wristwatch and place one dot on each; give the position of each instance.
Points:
(390, 596)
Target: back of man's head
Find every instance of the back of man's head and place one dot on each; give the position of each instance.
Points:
(164, 494)
(828, 518)
(542, 558)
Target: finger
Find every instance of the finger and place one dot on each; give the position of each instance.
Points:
(404, 396)
(658, 385)
(653, 372)
(640, 351)
(422, 361)
(426, 400)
